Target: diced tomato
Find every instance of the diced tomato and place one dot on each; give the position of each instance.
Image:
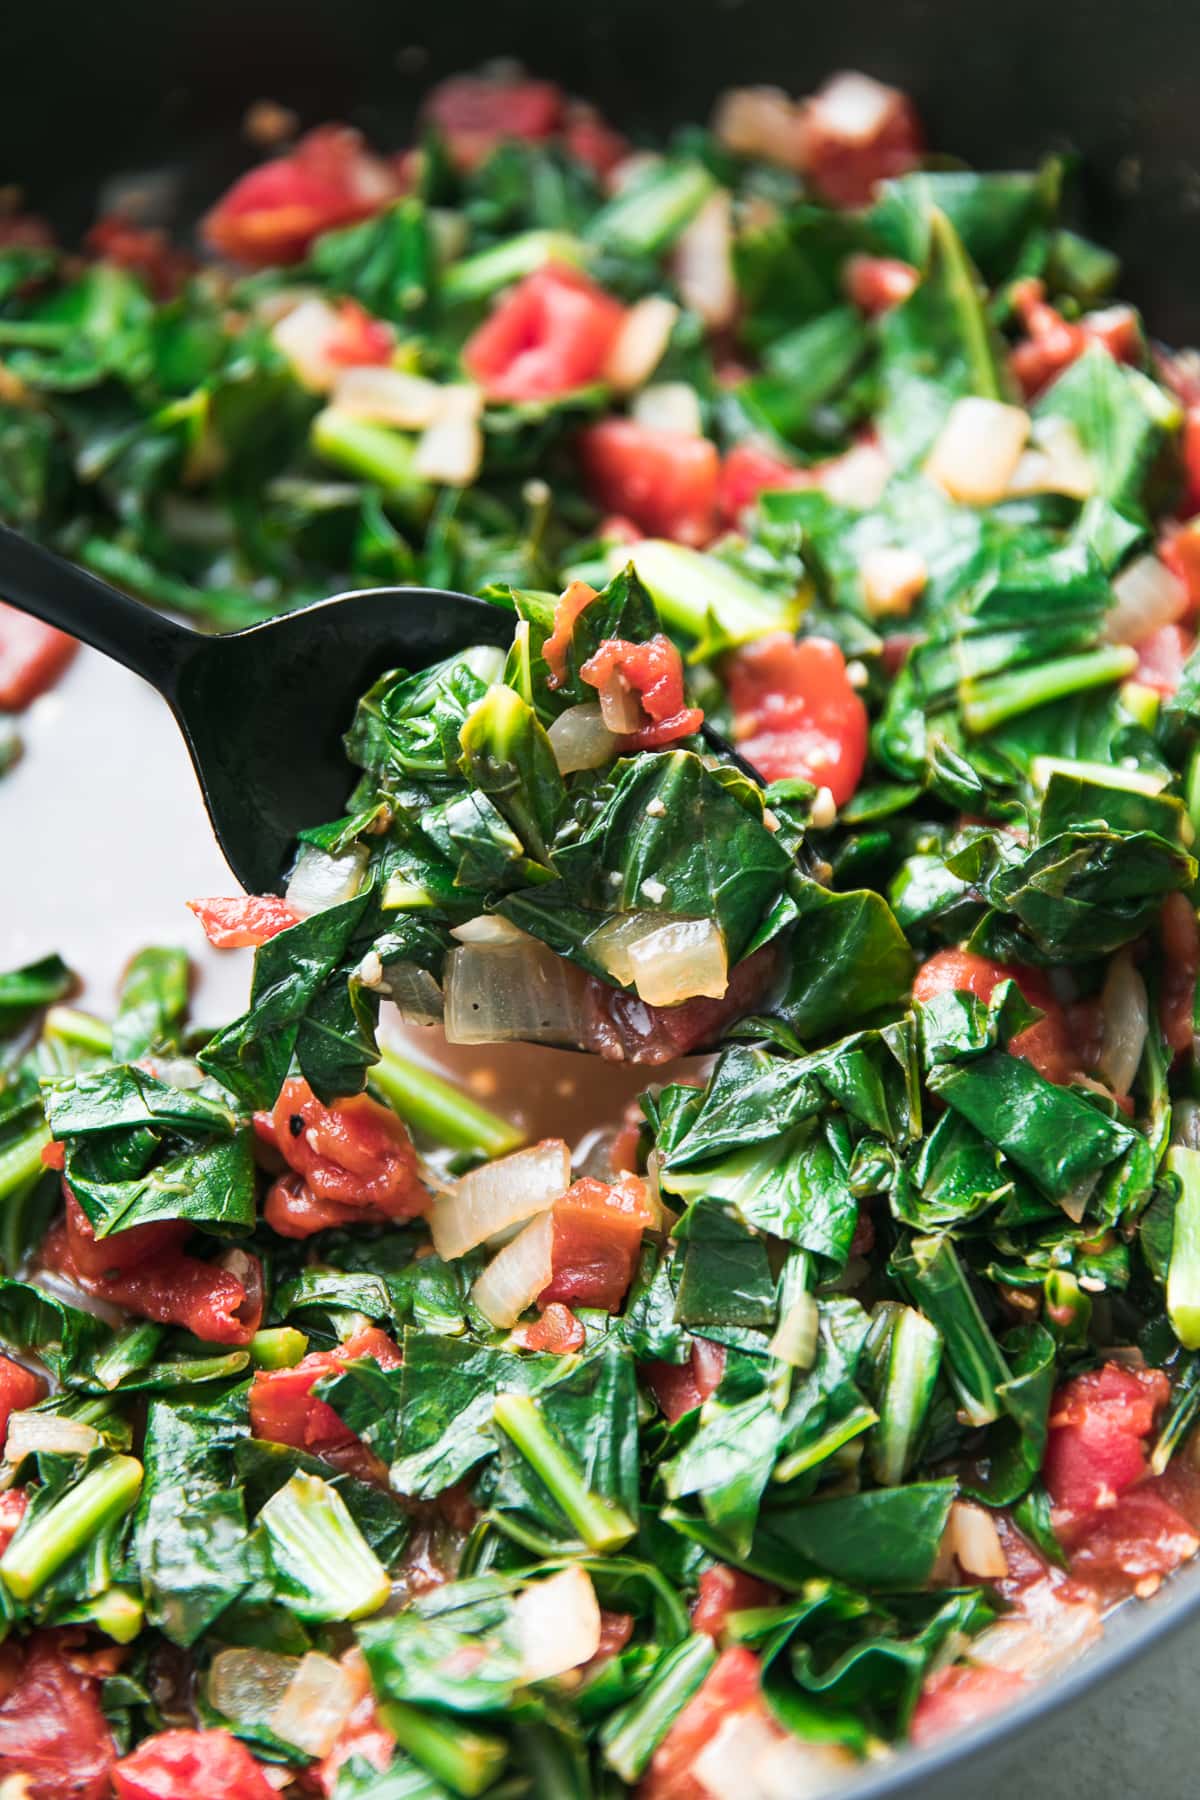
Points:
(364, 1734)
(547, 336)
(32, 657)
(795, 713)
(622, 1028)
(654, 672)
(145, 1270)
(19, 1388)
(52, 1730)
(877, 283)
(184, 1765)
(723, 1591)
(1181, 959)
(1053, 343)
(962, 1695)
(375, 1343)
(731, 1686)
(475, 113)
(1161, 657)
(13, 1504)
(1048, 1044)
(665, 481)
(1179, 549)
(360, 339)
(1142, 1536)
(1096, 1444)
(554, 651)
(597, 1235)
(244, 921)
(557, 1333)
(855, 132)
(54, 1156)
(354, 1161)
(591, 140)
(749, 471)
(623, 1153)
(25, 231)
(284, 1409)
(273, 213)
(146, 251)
(681, 1387)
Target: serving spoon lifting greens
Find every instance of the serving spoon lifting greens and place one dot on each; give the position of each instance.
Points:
(263, 710)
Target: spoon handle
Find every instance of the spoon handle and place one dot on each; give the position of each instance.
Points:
(61, 594)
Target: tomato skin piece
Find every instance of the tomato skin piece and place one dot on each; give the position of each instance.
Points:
(731, 1686)
(844, 168)
(723, 1591)
(243, 921)
(547, 336)
(749, 471)
(273, 213)
(680, 1387)
(557, 1333)
(1161, 658)
(962, 1695)
(1179, 548)
(1095, 1448)
(664, 481)
(591, 140)
(1046, 1044)
(32, 657)
(183, 1765)
(13, 1505)
(574, 600)
(877, 283)
(364, 1734)
(475, 113)
(597, 1236)
(1142, 1536)
(52, 1730)
(655, 673)
(284, 1409)
(360, 340)
(19, 1388)
(1054, 343)
(354, 1159)
(796, 714)
(1181, 959)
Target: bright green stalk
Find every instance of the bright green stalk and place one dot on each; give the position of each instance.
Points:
(435, 1106)
(986, 704)
(116, 1612)
(1185, 1405)
(373, 451)
(632, 1735)
(913, 1358)
(40, 1549)
(694, 591)
(1068, 1308)
(476, 277)
(326, 1567)
(652, 212)
(937, 1283)
(78, 1029)
(279, 1347)
(466, 1761)
(22, 1162)
(601, 1524)
(1183, 1274)
(134, 1346)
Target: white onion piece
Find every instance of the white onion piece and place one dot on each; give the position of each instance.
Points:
(857, 478)
(1146, 595)
(641, 342)
(580, 739)
(499, 1195)
(1047, 1635)
(39, 1431)
(976, 1542)
(389, 397)
(620, 708)
(316, 1704)
(517, 1274)
(759, 121)
(492, 929)
(450, 450)
(670, 406)
(977, 450)
(557, 1623)
(1056, 463)
(703, 263)
(795, 1339)
(485, 661)
(320, 880)
(680, 961)
(724, 1766)
(248, 1683)
(518, 991)
(794, 1771)
(854, 107)
(1125, 1017)
(893, 580)
(303, 335)
(610, 945)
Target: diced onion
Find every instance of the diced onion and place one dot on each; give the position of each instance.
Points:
(611, 943)
(893, 579)
(978, 449)
(557, 1623)
(491, 929)
(794, 1771)
(450, 450)
(246, 1684)
(498, 1196)
(320, 880)
(976, 1542)
(517, 1274)
(857, 478)
(1125, 1017)
(724, 1766)
(580, 739)
(389, 397)
(316, 1704)
(854, 107)
(1052, 1633)
(641, 342)
(761, 122)
(680, 961)
(1146, 595)
(1056, 463)
(620, 708)
(795, 1339)
(499, 993)
(703, 263)
(30, 1432)
(303, 335)
(670, 406)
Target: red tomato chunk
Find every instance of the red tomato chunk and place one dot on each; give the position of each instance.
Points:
(597, 1236)
(32, 657)
(796, 714)
(654, 672)
(731, 1686)
(353, 1163)
(19, 1388)
(554, 651)
(273, 213)
(664, 481)
(189, 1765)
(557, 1333)
(244, 921)
(1096, 1447)
(547, 336)
(1161, 657)
(622, 1028)
(1181, 958)
(724, 1591)
(52, 1730)
(680, 1387)
(855, 132)
(475, 113)
(1046, 1044)
(961, 1696)
(284, 1409)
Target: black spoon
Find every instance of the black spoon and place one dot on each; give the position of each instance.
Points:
(262, 711)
